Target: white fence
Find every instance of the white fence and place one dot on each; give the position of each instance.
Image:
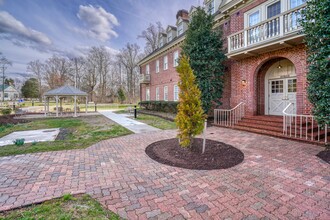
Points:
(230, 117)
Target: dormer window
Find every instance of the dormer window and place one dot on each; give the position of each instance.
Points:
(161, 42)
(210, 7)
(180, 28)
(169, 36)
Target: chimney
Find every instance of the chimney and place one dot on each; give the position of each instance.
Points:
(184, 14)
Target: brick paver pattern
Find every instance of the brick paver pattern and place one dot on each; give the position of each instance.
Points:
(278, 179)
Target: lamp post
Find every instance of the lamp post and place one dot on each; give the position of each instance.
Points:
(4, 63)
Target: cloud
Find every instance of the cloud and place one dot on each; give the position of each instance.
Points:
(83, 50)
(98, 22)
(15, 31)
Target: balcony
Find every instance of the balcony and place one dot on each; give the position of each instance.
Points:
(272, 34)
(144, 78)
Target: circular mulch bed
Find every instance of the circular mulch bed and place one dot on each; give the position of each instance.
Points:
(324, 155)
(217, 155)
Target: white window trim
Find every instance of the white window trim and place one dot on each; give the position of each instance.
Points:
(165, 64)
(147, 94)
(157, 93)
(180, 25)
(147, 69)
(175, 96)
(157, 66)
(166, 93)
(175, 60)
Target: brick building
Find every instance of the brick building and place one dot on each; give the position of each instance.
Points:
(267, 57)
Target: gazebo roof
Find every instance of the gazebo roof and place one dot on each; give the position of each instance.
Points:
(65, 91)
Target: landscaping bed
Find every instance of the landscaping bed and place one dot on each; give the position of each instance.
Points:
(67, 207)
(324, 155)
(217, 155)
(10, 120)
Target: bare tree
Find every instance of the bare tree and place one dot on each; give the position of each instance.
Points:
(128, 57)
(4, 63)
(150, 35)
(77, 68)
(37, 68)
(56, 71)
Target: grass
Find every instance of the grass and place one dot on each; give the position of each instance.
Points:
(156, 122)
(81, 133)
(67, 207)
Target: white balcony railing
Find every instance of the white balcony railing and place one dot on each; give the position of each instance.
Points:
(230, 117)
(303, 126)
(272, 28)
(144, 78)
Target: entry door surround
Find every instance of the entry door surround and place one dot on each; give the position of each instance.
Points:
(280, 87)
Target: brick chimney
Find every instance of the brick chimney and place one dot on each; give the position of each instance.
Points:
(184, 14)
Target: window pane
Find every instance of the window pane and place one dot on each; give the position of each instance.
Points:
(296, 3)
(254, 18)
(274, 9)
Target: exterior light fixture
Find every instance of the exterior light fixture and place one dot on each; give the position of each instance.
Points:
(243, 82)
(279, 65)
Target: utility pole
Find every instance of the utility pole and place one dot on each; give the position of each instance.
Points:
(4, 63)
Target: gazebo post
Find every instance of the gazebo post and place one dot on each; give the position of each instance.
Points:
(45, 106)
(75, 106)
(86, 104)
(61, 99)
(56, 97)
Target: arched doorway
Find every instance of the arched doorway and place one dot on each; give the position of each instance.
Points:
(280, 84)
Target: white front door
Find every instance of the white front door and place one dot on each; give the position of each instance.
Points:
(281, 93)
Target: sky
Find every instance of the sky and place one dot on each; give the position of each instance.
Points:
(37, 29)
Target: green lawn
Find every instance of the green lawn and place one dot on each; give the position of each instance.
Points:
(65, 208)
(156, 122)
(80, 132)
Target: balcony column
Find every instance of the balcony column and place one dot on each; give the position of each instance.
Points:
(281, 25)
(245, 38)
(229, 44)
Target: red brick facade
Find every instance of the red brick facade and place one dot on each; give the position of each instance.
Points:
(252, 70)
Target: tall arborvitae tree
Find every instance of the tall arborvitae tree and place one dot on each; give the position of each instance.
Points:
(190, 117)
(316, 25)
(203, 46)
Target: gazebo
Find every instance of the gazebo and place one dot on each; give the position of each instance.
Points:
(63, 92)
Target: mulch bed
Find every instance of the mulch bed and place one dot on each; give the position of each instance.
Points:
(217, 155)
(9, 119)
(324, 155)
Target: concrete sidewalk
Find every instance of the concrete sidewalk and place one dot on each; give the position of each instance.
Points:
(130, 124)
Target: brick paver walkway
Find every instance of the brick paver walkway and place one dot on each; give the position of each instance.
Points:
(278, 179)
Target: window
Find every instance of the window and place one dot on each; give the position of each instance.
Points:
(160, 42)
(296, 3)
(157, 66)
(180, 28)
(210, 7)
(292, 85)
(147, 69)
(176, 58)
(165, 93)
(147, 94)
(169, 36)
(277, 86)
(6, 95)
(165, 63)
(254, 18)
(274, 9)
(157, 93)
(176, 93)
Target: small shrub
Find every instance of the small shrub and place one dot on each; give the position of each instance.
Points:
(6, 111)
(19, 142)
(67, 197)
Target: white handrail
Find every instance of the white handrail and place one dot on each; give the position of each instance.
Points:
(303, 126)
(229, 117)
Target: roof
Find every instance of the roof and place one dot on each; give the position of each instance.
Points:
(65, 91)
(5, 87)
